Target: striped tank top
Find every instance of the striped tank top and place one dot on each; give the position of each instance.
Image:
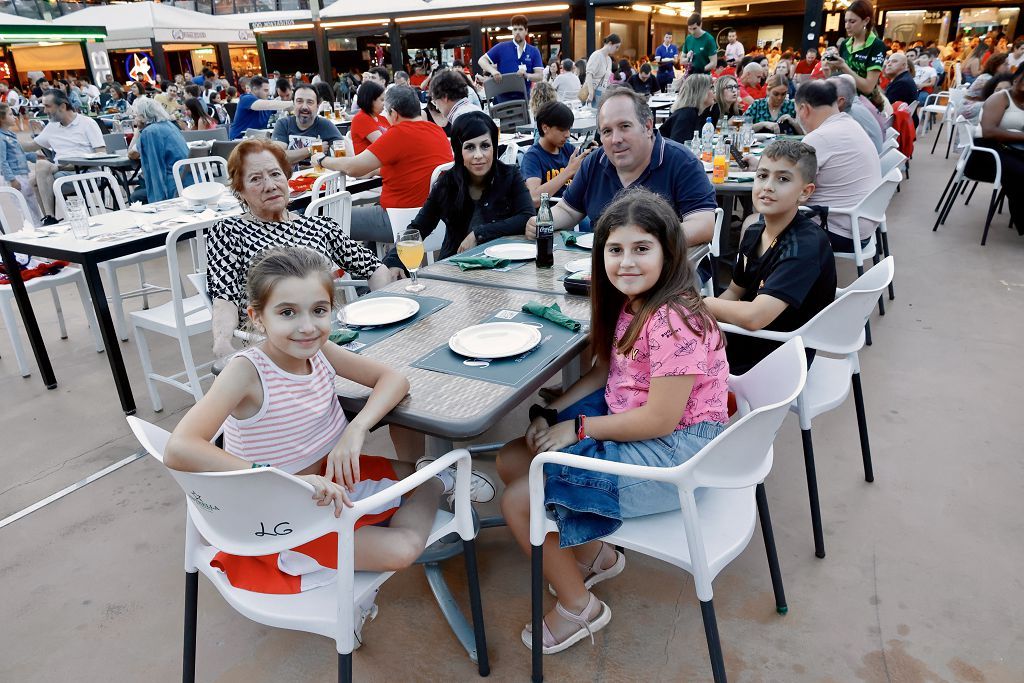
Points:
(299, 421)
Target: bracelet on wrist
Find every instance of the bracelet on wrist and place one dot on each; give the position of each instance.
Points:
(581, 427)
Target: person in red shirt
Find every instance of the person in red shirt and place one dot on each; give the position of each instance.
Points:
(369, 123)
(751, 86)
(405, 158)
(805, 67)
(417, 78)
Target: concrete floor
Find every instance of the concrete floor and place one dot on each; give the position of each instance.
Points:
(921, 583)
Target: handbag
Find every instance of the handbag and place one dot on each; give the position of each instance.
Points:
(584, 93)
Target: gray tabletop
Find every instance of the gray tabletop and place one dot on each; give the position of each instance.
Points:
(528, 278)
(447, 406)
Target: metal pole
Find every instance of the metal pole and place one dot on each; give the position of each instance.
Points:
(812, 25)
(591, 28)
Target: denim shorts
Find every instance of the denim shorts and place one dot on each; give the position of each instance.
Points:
(639, 497)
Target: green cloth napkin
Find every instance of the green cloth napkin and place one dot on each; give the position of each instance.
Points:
(569, 238)
(552, 313)
(342, 337)
(474, 262)
(734, 179)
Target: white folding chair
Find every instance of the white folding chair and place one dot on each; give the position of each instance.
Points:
(949, 111)
(962, 176)
(328, 183)
(837, 330)
(14, 200)
(224, 508)
(436, 173)
(338, 205)
(889, 160)
(201, 169)
(714, 251)
(708, 531)
(89, 187)
(180, 318)
(889, 143)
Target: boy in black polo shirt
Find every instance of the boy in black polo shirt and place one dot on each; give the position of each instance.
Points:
(785, 271)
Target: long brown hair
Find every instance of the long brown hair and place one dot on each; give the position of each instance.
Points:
(674, 288)
(277, 263)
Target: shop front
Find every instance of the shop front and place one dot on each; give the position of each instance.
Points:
(34, 49)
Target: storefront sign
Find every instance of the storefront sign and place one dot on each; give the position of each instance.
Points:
(217, 35)
(256, 25)
(99, 62)
(139, 66)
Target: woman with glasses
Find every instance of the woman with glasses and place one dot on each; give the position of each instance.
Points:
(727, 96)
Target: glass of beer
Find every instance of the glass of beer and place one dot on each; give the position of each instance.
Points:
(410, 253)
(316, 147)
(736, 122)
(338, 148)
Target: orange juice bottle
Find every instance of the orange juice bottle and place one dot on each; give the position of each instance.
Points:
(720, 165)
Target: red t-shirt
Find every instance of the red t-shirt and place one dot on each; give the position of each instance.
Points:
(758, 92)
(408, 154)
(362, 125)
(805, 67)
(416, 80)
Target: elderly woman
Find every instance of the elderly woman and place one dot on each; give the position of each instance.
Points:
(775, 113)
(480, 199)
(696, 99)
(157, 143)
(258, 171)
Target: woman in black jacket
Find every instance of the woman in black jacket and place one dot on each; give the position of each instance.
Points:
(480, 199)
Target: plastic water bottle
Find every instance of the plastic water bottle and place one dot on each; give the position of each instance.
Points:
(695, 144)
(707, 140)
(545, 234)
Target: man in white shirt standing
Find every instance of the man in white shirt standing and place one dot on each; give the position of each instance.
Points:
(68, 134)
(734, 49)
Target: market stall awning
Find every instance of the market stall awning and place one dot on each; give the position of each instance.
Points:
(15, 29)
(161, 22)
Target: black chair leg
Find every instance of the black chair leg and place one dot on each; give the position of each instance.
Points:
(949, 143)
(473, 578)
(949, 184)
(188, 660)
(971, 195)
(707, 611)
(537, 604)
(862, 427)
(345, 668)
(867, 325)
(769, 546)
(875, 259)
(991, 213)
(885, 250)
(938, 135)
(812, 493)
(947, 207)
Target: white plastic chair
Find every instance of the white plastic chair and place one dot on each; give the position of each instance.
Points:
(223, 509)
(950, 111)
(889, 143)
(89, 187)
(959, 179)
(202, 170)
(889, 160)
(338, 205)
(838, 330)
(714, 251)
(66, 276)
(327, 184)
(709, 531)
(400, 220)
(180, 318)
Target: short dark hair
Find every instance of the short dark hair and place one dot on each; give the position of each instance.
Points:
(193, 90)
(612, 38)
(307, 86)
(59, 97)
(404, 101)
(645, 68)
(800, 154)
(367, 94)
(450, 85)
(554, 115)
(257, 82)
(282, 85)
(403, 74)
(519, 20)
(817, 93)
(381, 72)
(694, 20)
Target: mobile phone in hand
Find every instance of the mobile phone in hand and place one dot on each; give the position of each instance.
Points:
(738, 158)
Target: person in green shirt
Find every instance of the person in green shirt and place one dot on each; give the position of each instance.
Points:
(700, 48)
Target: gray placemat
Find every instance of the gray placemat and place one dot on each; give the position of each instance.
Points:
(478, 250)
(368, 336)
(512, 371)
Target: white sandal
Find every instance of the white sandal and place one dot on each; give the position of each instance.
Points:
(586, 628)
(593, 575)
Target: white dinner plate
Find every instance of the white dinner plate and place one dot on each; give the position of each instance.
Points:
(764, 136)
(495, 340)
(585, 240)
(202, 192)
(381, 310)
(576, 265)
(512, 251)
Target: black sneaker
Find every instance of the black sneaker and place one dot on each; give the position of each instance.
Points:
(50, 220)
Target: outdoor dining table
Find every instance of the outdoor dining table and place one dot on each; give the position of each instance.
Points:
(123, 168)
(113, 234)
(527, 277)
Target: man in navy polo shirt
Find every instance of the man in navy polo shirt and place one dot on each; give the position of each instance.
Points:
(666, 56)
(634, 153)
(513, 57)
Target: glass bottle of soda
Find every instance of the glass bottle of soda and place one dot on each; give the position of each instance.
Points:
(545, 234)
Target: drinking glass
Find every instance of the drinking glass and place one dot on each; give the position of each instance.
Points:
(78, 217)
(338, 148)
(410, 253)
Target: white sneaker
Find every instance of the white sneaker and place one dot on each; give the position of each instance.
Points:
(481, 488)
(367, 612)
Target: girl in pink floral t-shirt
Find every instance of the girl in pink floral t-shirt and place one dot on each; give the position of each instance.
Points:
(655, 396)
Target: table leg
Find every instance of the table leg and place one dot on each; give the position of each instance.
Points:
(110, 340)
(28, 316)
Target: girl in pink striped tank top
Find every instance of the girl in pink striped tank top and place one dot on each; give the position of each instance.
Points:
(278, 406)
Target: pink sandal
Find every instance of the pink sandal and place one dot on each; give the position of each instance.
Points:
(586, 627)
(593, 575)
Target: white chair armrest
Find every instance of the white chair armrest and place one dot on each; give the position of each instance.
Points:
(362, 507)
(759, 334)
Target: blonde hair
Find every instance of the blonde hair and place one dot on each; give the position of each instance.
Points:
(542, 93)
(695, 88)
(724, 109)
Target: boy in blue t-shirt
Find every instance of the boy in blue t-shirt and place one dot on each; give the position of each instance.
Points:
(551, 162)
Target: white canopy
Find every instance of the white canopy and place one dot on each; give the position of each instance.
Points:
(347, 8)
(161, 22)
